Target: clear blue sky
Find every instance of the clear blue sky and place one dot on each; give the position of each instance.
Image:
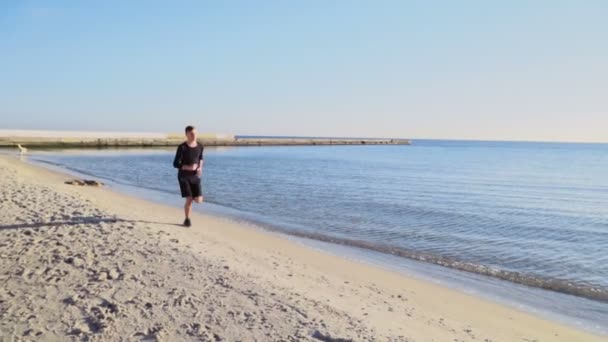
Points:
(531, 70)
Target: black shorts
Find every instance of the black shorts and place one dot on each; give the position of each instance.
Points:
(189, 184)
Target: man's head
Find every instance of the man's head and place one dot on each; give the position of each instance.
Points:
(190, 133)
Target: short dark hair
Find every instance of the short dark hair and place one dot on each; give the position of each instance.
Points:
(189, 129)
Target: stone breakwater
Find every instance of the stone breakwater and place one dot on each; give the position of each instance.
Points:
(100, 140)
(134, 142)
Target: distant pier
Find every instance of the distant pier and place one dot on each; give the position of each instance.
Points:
(59, 139)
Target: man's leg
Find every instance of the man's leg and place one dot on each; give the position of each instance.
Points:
(197, 192)
(188, 207)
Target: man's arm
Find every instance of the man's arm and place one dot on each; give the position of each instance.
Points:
(177, 161)
(199, 170)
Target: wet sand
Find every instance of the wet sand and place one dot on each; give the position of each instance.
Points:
(86, 263)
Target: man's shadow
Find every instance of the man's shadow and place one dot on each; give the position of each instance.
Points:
(80, 220)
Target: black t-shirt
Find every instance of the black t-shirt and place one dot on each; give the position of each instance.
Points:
(187, 155)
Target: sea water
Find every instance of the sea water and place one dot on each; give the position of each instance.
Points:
(534, 214)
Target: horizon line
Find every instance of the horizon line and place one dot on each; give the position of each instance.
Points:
(4, 131)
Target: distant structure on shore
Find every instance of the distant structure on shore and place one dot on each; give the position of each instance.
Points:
(73, 139)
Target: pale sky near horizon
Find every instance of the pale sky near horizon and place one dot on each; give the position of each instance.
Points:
(508, 70)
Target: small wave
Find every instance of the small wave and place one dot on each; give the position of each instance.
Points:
(556, 285)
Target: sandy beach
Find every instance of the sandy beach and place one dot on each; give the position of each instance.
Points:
(89, 264)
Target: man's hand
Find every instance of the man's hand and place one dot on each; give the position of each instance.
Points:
(199, 170)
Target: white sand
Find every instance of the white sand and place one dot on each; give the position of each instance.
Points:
(84, 263)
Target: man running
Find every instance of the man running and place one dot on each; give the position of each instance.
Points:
(189, 161)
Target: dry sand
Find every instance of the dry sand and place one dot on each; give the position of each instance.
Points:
(84, 263)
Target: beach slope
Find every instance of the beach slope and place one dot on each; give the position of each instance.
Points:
(85, 263)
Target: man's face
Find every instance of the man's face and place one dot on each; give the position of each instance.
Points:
(191, 135)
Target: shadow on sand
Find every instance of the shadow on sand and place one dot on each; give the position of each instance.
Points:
(81, 220)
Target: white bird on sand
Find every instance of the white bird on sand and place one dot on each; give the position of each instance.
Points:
(21, 148)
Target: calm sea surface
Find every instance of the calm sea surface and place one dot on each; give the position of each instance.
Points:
(531, 213)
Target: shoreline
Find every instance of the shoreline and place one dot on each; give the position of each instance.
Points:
(558, 286)
(384, 303)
